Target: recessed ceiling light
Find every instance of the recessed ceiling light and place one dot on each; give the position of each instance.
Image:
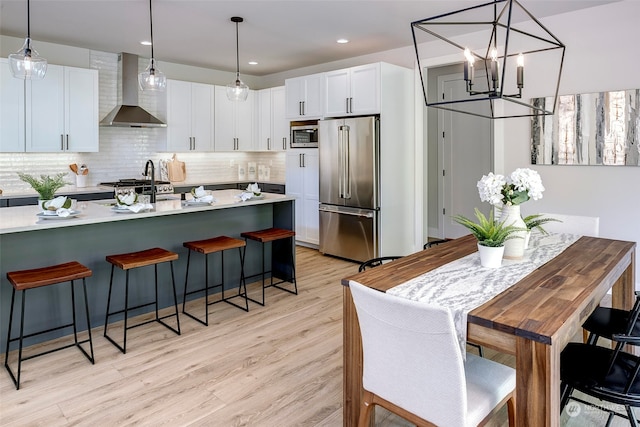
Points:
(342, 41)
(253, 62)
(145, 43)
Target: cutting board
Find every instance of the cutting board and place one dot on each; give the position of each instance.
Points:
(177, 170)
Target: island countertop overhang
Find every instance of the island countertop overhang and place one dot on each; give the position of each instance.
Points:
(23, 218)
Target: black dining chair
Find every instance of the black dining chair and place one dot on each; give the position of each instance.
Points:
(610, 375)
(606, 322)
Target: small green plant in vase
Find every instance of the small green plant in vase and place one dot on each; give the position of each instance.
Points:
(490, 233)
(46, 186)
(536, 221)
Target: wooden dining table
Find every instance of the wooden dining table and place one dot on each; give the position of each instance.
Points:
(533, 319)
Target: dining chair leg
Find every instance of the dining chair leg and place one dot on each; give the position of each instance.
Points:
(365, 409)
(511, 410)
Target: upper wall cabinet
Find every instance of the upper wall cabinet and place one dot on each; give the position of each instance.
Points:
(353, 91)
(304, 97)
(234, 129)
(273, 126)
(190, 116)
(11, 110)
(60, 112)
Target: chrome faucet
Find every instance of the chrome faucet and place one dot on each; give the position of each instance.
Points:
(153, 179)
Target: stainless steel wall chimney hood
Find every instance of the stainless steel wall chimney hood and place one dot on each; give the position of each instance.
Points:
(128, 113)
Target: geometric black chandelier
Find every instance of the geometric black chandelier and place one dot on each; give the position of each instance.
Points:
(495, 42)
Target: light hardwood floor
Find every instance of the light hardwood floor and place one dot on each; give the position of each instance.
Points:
(279, 365)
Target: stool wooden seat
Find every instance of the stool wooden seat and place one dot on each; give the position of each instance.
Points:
(274, 235)
(142, 258)
(24, 280)
(269, 234)
(206, 247)
(128, 261)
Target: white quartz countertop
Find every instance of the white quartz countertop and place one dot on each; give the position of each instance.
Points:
(25, 218)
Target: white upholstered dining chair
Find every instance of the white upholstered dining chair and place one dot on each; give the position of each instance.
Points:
(573, 224)
(413, 366)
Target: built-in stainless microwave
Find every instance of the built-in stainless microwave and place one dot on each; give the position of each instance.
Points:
(304, 135)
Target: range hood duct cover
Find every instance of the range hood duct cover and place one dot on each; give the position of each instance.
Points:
(128, 113)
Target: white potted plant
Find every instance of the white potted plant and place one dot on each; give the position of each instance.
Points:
(491, 235)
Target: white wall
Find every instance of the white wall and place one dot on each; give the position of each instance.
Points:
(602, 54)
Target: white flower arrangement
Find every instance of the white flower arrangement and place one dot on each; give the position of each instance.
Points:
(523, 184)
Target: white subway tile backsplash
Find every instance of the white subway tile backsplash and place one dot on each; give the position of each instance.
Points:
(124, 151)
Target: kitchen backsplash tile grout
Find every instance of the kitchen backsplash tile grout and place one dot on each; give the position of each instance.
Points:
(124, 151)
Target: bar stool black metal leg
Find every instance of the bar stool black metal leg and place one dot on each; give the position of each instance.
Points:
(175, 296)
(73, 314)
(6, 356)
(206, 289)
(86, 308)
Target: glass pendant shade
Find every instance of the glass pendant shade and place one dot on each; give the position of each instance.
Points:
(27, 64)
(237, 91)
(152, 78)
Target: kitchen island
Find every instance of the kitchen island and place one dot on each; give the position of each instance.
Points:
(28, 241)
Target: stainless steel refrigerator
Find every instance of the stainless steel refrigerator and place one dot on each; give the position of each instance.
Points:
(349, 186)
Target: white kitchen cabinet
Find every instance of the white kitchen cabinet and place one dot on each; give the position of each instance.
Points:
(353, 91)
(273, 126)
(11, 110)
(234, 122)
(302, 182)
(304, 96)
(61, 111)
(190, 116)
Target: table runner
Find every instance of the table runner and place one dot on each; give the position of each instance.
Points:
(464, 284)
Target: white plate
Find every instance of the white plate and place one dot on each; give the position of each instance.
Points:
(72, 214)
(118, 209)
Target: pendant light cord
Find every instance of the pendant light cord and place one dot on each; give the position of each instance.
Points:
(237, 54)
(28, 19)
(151, 27)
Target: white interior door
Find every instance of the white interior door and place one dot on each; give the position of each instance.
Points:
(465, 147)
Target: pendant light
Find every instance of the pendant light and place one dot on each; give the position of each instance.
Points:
(26, 63)
(237, 90)
(152, 78)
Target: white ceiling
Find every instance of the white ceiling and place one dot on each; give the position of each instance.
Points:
(279, 35)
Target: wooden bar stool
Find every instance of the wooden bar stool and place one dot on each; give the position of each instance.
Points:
(274, 235)
(25, 280)
(131, 260)
(206, 247)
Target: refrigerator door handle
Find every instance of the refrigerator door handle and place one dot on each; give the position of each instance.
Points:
(344, 184)
(358, 213)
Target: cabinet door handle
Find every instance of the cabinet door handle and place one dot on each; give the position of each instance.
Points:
(346, 105)
(284, 143)
(303, 165)
(61, 142)
(67, 141)
(351, 105)
(194, 143)
(268, 143)
(300, 160)
(303, 108)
